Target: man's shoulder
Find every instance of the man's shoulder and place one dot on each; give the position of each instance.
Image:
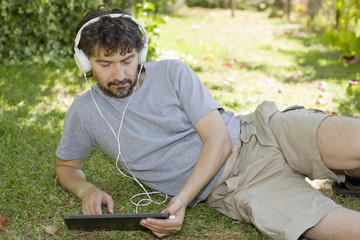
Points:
(83, 98)
(81, 102)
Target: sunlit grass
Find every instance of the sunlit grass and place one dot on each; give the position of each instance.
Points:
(272, 59)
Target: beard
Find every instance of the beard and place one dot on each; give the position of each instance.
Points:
(116, 88)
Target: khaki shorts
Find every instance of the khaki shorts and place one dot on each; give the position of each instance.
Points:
(267, 186)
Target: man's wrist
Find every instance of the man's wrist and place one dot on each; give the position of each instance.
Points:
(184, 198)
(81, 193)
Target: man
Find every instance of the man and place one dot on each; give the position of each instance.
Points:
(163, 126)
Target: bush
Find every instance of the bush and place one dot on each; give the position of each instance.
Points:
(345, 37)
(145, 13)
(351, 106)
(41, 30)
(259, 5)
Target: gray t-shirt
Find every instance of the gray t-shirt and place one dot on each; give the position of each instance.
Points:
(158, 139)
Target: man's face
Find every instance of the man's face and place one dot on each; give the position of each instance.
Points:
(116, 74)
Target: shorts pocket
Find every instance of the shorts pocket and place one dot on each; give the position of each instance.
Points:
(254, 129)
(248, 128)
(257, 212)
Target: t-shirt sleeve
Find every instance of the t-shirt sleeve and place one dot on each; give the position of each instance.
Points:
(195, 98)
(76, 142)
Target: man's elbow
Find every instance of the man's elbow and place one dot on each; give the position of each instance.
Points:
(62, 166)
(58, 166)
(227, 146)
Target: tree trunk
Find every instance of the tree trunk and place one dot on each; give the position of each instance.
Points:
(314, 7)
(233, 7)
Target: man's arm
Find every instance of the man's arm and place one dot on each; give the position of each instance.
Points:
(216, 149)
(71, 177)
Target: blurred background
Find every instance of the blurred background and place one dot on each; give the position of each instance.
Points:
(43, 30)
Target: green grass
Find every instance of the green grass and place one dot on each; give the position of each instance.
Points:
(274, 55)
(33, 101)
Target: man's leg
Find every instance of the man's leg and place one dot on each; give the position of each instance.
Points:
(339, 145)
(264, 188)
(339, 141)
(353, 172)
(339, 223)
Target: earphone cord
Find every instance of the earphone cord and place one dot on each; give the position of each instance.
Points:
(148, 200)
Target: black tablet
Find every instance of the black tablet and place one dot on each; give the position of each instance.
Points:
(124, 222)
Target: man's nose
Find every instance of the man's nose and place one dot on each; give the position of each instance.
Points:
(118, 72)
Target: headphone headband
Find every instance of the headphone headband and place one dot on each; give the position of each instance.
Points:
(83, 62)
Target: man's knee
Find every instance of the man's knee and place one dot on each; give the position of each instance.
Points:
(338, 140)
(339, 223)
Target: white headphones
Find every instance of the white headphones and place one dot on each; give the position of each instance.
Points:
(83, 62)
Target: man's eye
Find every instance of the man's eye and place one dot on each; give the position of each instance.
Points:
(105, 65)
(127, 62)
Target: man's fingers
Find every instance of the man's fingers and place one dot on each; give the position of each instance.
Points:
(160, 235)
(84, 211)
(97, 208)
(91, 208)
(109, 202)
(93, 203)
(161, 227)
(96, 202)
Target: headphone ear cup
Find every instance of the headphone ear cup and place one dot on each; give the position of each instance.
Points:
(82, 61)
(143, 54)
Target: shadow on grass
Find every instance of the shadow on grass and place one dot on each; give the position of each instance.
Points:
(314, 61)
(27, 97)
(30, 130)
(327, 65)
(319, 64)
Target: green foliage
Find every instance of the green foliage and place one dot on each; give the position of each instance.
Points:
(44, 31)
(259, 5)
(145, 12)
(166, 6)
(353, 100)
(162, 6)
(122, 4)
(206, 3)
(345, 40)
(346, 37)
(39, 31)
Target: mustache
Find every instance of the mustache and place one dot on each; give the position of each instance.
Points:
(117, 82)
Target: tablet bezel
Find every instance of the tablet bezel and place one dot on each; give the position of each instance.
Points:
(122, 222)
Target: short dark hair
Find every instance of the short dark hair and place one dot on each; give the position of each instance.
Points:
(110, 34)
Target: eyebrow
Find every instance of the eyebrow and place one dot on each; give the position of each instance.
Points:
(107, 61)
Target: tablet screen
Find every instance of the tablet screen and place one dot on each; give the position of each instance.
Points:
(124, 222)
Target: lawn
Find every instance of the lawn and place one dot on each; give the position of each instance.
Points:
(243, 60)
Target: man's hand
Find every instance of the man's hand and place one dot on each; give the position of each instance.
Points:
(163, 227)
(71, 177)
(93, 198)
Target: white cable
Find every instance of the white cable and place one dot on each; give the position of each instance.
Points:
(148, 200)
